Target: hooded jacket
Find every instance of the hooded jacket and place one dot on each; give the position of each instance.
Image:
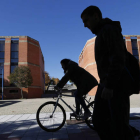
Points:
(110, 52)
(81, 78)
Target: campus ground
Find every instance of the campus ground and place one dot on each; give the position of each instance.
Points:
(18, 121)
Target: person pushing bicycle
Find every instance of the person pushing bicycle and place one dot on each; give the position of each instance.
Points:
(83, 80)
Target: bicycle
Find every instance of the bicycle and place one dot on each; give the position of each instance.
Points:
(49, 112)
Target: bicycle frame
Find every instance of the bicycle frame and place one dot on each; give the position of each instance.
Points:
(59, 97)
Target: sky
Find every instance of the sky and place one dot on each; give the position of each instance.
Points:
(57, 25)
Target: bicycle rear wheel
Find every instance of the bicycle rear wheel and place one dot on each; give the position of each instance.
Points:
(89, 120)
(48, 121)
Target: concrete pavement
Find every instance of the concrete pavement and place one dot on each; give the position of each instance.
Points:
(28, 106)
(25, 127)
(18, 121)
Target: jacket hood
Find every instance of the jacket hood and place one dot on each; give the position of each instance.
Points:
(105, 21)
(72, 63)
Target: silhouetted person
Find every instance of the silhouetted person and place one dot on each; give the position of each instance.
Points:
(111, 110)
(83, 80)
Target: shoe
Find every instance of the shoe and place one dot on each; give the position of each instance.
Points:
(86, 115)
(74, 114)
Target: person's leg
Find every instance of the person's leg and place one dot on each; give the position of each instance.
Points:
(129, 134)
(79, 100)
(119, 108)
(101, 116)
(77, 103)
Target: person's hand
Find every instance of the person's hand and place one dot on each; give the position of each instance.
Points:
(107, 93)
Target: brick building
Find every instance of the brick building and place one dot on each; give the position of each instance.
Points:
(16, 51)
(87, 60)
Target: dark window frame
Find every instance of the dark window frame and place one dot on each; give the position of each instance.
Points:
(2, 56)
(14, 58)
(135, 48)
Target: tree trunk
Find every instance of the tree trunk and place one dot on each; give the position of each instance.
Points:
(21, 93)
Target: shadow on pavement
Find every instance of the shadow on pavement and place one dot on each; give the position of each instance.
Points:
(134, 116)
(6, 103)
(71, 122)
(29, 129)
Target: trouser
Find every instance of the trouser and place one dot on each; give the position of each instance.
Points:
(111, 117)
(79, 100)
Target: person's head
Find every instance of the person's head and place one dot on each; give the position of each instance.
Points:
(64, 64)
(91, 17)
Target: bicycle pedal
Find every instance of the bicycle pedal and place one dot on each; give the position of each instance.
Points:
(72, 117)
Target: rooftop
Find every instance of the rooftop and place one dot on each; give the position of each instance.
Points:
(17, 37)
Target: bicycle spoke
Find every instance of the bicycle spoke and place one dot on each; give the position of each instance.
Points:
(89, 120)
(50, 122)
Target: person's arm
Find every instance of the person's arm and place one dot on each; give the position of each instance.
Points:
(63, 81)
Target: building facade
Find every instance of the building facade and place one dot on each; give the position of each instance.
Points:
(17, 51)
(87, 59)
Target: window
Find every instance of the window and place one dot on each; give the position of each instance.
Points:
(135, 48)
(13, 67)
(14, 54)
(14, 60)
(1, 60)
(1, 55)
(14, 47)
(1, 69)
(1, 64)
(2, 46)
(2, 50)
(13, 91)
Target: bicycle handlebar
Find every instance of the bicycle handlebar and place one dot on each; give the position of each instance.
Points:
(59, 92)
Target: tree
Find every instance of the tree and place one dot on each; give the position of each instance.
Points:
(47, 78)
(55, 81)
(21, 77)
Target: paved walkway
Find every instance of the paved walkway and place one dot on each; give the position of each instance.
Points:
(25, 127)
(28, 106)
(18, 121)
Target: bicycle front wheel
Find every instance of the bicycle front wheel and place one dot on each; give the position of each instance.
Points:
(89, 120)
(48, 120)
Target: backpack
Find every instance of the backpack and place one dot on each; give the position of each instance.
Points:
(133, 74)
